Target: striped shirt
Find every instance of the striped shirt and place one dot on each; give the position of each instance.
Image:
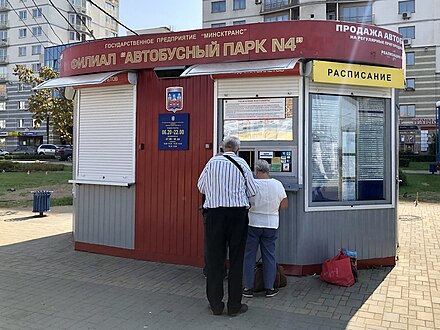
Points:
(223, 184)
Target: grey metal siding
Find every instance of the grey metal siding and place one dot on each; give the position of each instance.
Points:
(104, 215)
(307, 238)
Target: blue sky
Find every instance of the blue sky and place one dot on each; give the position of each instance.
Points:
(177, 14)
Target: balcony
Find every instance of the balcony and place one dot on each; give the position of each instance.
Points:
(4, 24)
(4, 6)
(78, 28)
(3, 59)
(3, 77)
(4, 42)
(273, 6)
(358, 19)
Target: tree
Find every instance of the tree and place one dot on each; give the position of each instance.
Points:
(48, 104)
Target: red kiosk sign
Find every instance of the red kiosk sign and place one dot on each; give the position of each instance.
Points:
(339, 41)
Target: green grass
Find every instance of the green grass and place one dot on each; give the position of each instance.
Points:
(427, 185)
(15, 187)
(61, 201)
(417, 166)
(19, 180)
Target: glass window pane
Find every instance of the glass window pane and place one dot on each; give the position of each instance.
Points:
(259, 119)
(410, 58)
(347, 149)
(402, 7)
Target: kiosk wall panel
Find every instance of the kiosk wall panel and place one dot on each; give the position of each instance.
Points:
(169, 226)
(104, 215)
(322, 234)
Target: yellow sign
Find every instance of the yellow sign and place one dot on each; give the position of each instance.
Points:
(355, 74)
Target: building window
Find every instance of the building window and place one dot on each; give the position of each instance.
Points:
(348, 150)
(359, 14)
(2, 123)
(21, 51)
(36, 67)
(215, 25)
(410, 59)
(21, 87)
(408, 32)
(36, 13)
(218, 6)
(21, 105)
(37, 31)
(74, 36)
(2, 105)
(110, 7)
(3, 19)
(3, 54)
(239, 22)
(36, 50)
(410, 84)
(22, 14)
(22, 33)
(407, 110)
(277, 18)
(239, 4)
(275, 4)
(406, 6)
(4, 35)
(3, 72)
(20, 123)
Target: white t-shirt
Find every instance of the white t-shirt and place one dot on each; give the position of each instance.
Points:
(265, 204)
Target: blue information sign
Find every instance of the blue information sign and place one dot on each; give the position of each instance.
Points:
(173, 131)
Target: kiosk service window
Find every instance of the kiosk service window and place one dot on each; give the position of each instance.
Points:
(262, 119)
(266, 128)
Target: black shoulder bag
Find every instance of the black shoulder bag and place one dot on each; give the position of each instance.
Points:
(236, 164)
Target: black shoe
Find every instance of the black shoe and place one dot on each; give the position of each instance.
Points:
(243, 309)
(271, 293)
(248, 293)
(218, 310)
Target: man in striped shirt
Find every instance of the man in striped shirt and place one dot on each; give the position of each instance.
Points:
(227, 186)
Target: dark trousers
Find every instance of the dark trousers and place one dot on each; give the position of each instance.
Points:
(226, 227)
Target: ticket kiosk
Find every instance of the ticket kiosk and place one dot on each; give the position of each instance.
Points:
(314, 98)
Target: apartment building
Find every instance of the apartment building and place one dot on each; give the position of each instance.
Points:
(27, 29)
(417, 20)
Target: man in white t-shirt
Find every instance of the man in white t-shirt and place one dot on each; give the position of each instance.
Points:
(263, 229)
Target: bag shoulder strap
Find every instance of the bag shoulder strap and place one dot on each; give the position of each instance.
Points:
(236, 164)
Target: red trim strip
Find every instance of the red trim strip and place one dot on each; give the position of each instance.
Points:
(301, 270)
(294, 270)
(110, 250)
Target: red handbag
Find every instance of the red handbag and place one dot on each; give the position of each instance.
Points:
(338, 271)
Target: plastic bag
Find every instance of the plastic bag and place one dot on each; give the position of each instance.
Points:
(338, 271)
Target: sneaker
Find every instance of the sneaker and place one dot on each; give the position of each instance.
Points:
(243, 309)
(271, 293)
(248, 293)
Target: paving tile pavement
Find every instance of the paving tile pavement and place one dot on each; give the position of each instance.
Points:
(45, 284)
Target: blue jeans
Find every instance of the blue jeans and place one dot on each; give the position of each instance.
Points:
(265, 238)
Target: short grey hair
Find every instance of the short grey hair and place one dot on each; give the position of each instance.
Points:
(262, 166)
(231, 142)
